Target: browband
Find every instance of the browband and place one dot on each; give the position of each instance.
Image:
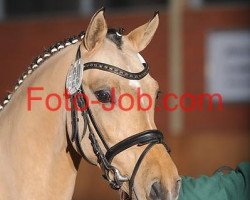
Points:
(117, 70)
(113, 69)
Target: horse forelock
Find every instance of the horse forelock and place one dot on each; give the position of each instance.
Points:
(115, 36)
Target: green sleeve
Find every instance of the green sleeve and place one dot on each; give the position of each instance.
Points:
(232, 186)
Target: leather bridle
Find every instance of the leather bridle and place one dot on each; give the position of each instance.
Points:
(148, 137)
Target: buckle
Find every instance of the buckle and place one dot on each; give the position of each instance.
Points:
(117, 180)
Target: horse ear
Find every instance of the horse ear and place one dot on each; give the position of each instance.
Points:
(96, 31)
(141, 36)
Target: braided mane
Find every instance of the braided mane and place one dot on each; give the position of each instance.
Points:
(52, 50)
(111, 35)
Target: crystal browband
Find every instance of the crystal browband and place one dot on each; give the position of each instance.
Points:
(118, 71)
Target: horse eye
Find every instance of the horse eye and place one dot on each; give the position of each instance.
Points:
(103, 96)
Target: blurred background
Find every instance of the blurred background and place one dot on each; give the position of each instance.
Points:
(200, 46)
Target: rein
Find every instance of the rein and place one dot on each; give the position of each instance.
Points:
(147, 137)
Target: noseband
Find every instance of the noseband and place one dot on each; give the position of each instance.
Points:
(148, 137)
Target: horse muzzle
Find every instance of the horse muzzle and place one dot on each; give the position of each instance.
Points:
(159, 192)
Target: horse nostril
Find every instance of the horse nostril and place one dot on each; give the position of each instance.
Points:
(157, 192)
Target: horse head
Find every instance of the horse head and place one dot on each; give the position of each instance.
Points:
(127, 145)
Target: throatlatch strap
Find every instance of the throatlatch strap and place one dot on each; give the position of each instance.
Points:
(74, 120)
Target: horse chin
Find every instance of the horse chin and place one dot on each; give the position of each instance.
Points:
(124, 195)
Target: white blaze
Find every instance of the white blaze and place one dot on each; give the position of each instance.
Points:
(141, 58)
(134, 83)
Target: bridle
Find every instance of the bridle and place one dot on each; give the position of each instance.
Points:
(77, 98)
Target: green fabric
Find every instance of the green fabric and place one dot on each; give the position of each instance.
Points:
(234, 185)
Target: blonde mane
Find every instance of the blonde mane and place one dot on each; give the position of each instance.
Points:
(48, 53)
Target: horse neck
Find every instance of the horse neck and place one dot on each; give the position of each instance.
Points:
(33, 144)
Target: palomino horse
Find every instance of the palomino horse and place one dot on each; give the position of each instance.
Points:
(43, 138)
